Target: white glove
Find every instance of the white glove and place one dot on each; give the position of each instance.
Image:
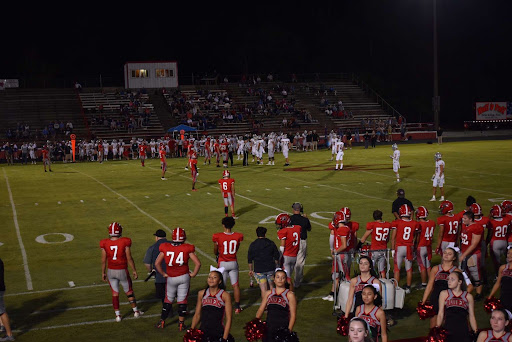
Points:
(433, 176)
(393, 254)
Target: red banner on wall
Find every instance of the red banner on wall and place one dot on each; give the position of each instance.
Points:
(491, 111)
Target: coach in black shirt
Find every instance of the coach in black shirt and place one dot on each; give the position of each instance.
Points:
(3, 314)
(401, 200)
(299, 218)
(149, 261)
(263, 258)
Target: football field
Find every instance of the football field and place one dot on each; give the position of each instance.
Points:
(52, 223)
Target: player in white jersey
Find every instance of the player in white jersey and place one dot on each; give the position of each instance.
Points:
(285, 145)
(32, 152)
(438, 177)
(396, 161)
(339, 153)
(240, 148)
(152, 145)
(260, 150)
(121, 149)
(334, 139)
(114, 149)
(254, 147)
(105, 150)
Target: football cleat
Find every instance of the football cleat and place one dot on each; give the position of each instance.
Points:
(182, 326)
(138, 313)
(160, 324)
(329, 298)
(118, 318)
(238, 310)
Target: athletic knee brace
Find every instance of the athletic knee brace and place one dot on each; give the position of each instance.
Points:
(182, 310)
(131, 298)
(166, 311)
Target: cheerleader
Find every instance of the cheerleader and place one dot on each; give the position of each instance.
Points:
(280, 304)
(213, 304)
(499, 321)
(456, 306)
(367, 277)
(504, 283)
(438, 279)
(358, 330)
(371, 312)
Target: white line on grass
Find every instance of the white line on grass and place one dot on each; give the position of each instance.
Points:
(18, 233)
(142, 211)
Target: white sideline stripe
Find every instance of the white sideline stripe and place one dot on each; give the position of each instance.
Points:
(124, 319)
(28, 277)
(142, 211)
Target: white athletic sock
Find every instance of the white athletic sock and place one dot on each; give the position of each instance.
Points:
(336, 166)
(118, 313)
(341, 166)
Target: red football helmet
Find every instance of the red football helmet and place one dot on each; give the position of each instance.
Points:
(178, 235)
(405, 210)
(496, 211)
(421, 212)
(339, 217)
(282, 220)
(506, 206)
(347, 212)
(476, 209)
(115, 229)
(445, 207)
(226, 174)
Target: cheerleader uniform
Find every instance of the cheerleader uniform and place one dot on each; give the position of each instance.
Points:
(440, 284)
(456, 317)
(506, 288)
(212, 314)
(373, 321)
(358, 290)
(490, 337)
(278, 313)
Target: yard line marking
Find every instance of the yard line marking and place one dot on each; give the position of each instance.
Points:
(81, 201)
(166, 195)
(245, 190)
(59, 202)
(146, 196)
(104, 200)
(287, 188)
(111, 320)
(379, 183)
(37, 203)
(140, 210)
(268, 189)
(18, 234)
(208, 193)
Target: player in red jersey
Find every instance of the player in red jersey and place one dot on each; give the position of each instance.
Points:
(224, 149)
(193, 171)
(142, 152)
(100, 151)
(352, 242)
(46, 158)
(497, 236)
(506, 207)
(116, 254)
(448, 226)
(163, 161)
(423, 242)
(227, 188)
(176, 255)
(190, 153)
(342, 235)
(402, 243)
(207, 151)
(225, 247)
(216, 150)
(290, 243)
(470, 258)
(379, 230)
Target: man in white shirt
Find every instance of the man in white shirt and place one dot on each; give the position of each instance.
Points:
(339, 154)
(396, 161)
(438, 177)
(285, 145)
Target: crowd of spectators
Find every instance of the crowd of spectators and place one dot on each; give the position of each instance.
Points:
(54, 129)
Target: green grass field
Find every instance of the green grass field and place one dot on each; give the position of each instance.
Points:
(82, 199)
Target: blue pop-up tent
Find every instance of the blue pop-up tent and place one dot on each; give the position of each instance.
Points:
(181, 127)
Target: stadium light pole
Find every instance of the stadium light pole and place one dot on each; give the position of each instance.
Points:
(435, 100)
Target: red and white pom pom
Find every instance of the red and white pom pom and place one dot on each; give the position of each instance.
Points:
(425, 310)
(193, 335)
(255, 330)
(437, 334)
(491, 304)
(342, 327)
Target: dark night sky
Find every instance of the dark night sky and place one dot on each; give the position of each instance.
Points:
(389, 42)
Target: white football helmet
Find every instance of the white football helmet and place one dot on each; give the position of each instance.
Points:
(394, 147)
(438, 156)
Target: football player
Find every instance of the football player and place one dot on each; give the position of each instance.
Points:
(142, 152)
(163, 161)
(46, 158)
(207, 151)
(352, 242)
(506, 209)
(225, 247)
(379, 230)
(424, 234)
(116, 255)
(227, 188)
(448, 226)
(176, 255)
(285, 146)
(497, 235)
(339, 147)
(290, 243)
(193, 171)
(470, 235)
(271, 149)
(402, 244)
(438, 177)
(396, 160)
